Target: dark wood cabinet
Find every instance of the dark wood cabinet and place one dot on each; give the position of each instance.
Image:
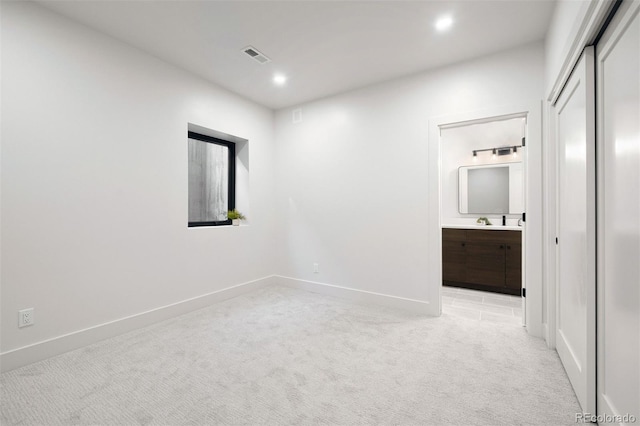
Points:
(482, 259)
(454, 256)
(513, 259)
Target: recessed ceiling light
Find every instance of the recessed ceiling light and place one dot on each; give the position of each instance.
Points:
(279, 79)
(444, 23)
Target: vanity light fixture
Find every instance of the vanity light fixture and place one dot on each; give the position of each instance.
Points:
(499, 151)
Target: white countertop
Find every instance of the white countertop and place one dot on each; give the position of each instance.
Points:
(486, 227)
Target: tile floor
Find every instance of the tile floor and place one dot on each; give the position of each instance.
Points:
(482, 305)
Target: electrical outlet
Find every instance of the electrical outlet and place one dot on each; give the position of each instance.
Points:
(316, 268)
(25, 317)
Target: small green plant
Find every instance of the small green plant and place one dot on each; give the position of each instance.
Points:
(235, 214)
(483, 220)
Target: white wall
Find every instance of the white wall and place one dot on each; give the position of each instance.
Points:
(457, 146)
(563, 29)
(94, 180)
(352, 176)
(574, 25)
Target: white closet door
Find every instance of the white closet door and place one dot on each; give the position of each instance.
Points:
(575, 138)
(618, 70)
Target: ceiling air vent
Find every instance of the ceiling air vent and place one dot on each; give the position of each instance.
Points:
(256, 55)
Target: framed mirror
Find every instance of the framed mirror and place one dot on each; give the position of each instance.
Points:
(491, 189)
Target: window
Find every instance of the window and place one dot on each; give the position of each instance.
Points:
(212, 175)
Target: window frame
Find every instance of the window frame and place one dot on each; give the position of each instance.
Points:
(231, 181)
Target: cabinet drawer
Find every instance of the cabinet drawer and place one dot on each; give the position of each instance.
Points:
(494, 236)
(449, 234)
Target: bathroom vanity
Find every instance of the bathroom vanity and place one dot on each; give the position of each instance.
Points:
(483, 258)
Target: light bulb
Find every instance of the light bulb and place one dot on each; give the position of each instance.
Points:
(279, 79)
(444, 23)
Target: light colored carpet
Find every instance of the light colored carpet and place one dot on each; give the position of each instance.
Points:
(286, 356)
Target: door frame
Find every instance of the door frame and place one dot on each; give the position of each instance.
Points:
(532, 244)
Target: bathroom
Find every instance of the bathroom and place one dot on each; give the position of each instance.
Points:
(483, 193)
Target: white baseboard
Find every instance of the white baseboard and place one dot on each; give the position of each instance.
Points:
(39, 351)
(55, 346)
(361, 296)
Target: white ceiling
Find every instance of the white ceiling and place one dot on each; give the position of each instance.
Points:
(324, 47)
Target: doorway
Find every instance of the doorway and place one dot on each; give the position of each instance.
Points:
(483, 188)
(531, 171)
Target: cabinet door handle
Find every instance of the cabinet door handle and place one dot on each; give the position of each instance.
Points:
(501, 246)
(462, 244)
(509, 247)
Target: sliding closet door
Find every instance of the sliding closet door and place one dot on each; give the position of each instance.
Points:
(575, 298)
(618, 71)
